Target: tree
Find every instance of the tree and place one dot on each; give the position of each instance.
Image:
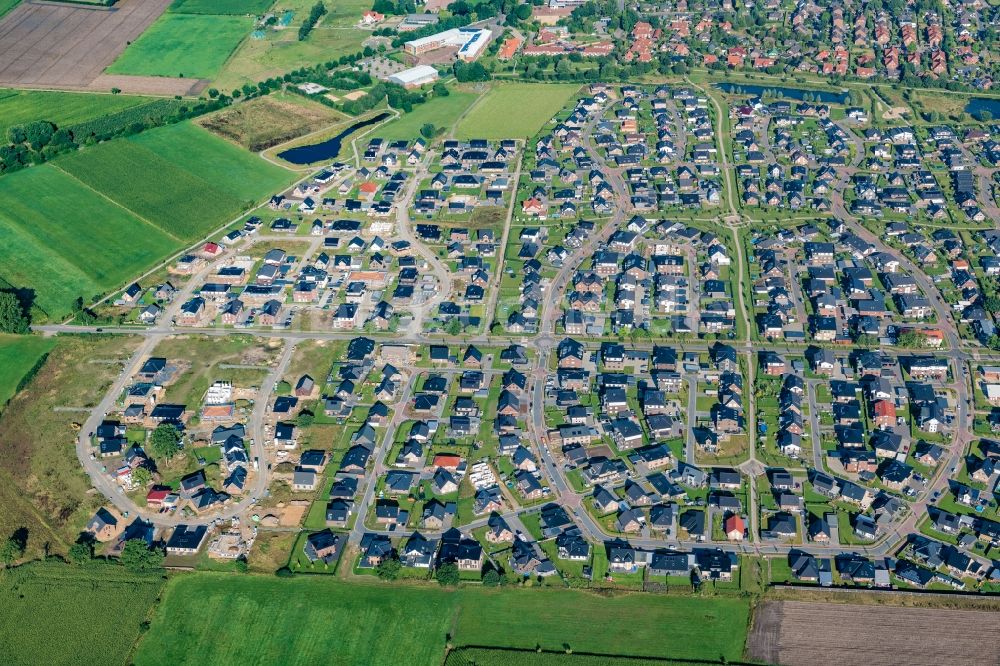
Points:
(440, 90)
(141, 476)
(166, 440)
(213, 92)
(12, 316)
(992, 303)
(81, 552)
(11, 550)
(428, 130)
(305, 418)
(447, 574)
(523, 12)
(137, 556)
(388, 569)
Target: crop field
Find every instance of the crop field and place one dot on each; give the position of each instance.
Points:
(309, 620)
(63, 240)
(267, 121)
(474, 656)
(280, 51)
(184, 45)
(181, 178)
(442, 112)
(55, 613)
(18, 355)
(792, 633)
(514, 110)
(234, 7)
(62, 108)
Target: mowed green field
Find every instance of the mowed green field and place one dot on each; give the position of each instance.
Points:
(18, 354)
(54, 613)
(442, 112)
(7, 5)
(182, 178)
(514, 110)
(63, 240)
(204, 618)
(234, 7)
(61, 108)
(188, 45)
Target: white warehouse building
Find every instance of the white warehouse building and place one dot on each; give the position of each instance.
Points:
(415, 76)
(471, 42)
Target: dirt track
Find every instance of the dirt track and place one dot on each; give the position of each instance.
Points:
(796, 633)
(46, 45)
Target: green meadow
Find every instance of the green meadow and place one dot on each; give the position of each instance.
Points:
(515, 110)
(205, 618)
(234, 7)
(18, 355)
(186, 45)
(61, 108)
(442, 112)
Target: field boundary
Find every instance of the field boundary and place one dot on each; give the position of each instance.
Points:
(454, 657)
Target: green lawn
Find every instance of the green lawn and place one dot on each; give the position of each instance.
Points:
(7, 5)
(515, 110)
(234, 7)
(187, 45)
(311, 620)
(181, 178)
(63, 240)
(18, 354)
(55, 613)
(61, 108)
(442, 112)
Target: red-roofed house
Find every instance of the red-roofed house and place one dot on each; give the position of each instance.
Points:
(734, 528)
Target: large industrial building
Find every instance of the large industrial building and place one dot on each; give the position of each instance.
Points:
(415, 76)
(470, 42)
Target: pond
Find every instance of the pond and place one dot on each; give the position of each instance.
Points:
(800, 94)
(329, 149)
(979, 104)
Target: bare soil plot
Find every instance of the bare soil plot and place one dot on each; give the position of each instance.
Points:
(797, 633)
(68, 46)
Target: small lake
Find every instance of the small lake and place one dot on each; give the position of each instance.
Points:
(799, 94)
(329, 149)
(977, 104)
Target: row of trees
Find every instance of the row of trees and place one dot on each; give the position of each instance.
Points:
(315, 14)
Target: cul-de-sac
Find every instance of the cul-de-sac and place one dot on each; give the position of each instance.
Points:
(537, 333)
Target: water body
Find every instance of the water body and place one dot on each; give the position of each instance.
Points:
(977, 104)
(329, 149)
(799, 94)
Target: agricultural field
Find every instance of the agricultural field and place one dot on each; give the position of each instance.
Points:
(786, 632)
(42, 486)
(184, 45)
(442, 112)
(279, 50)
(311, 618)
(268, 121)
(514, 110)
(234, 7)
(474, 656)
(98, 609)
(18, 355)
(64, 240)
(7, 5)
(181, 178)
(61, 108)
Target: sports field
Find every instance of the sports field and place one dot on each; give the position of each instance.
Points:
(309, 620)
(184, 45)
(442, 112)
(181, 178)
(63, 240)
(514, 110)
(61, 108)
(234, 7)
(18, 354)
(55, 613)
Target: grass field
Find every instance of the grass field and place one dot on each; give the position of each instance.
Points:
(504, 657)
(18, 354)
(61, 108)
(181, 178)
(514, 110)
(55, 613)
(442, 112)
(267, 121)
(310, 620)
(42, 486)
(185, 45)
(234, 7)
(63, 240)
(280, 51)
(7, 5)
